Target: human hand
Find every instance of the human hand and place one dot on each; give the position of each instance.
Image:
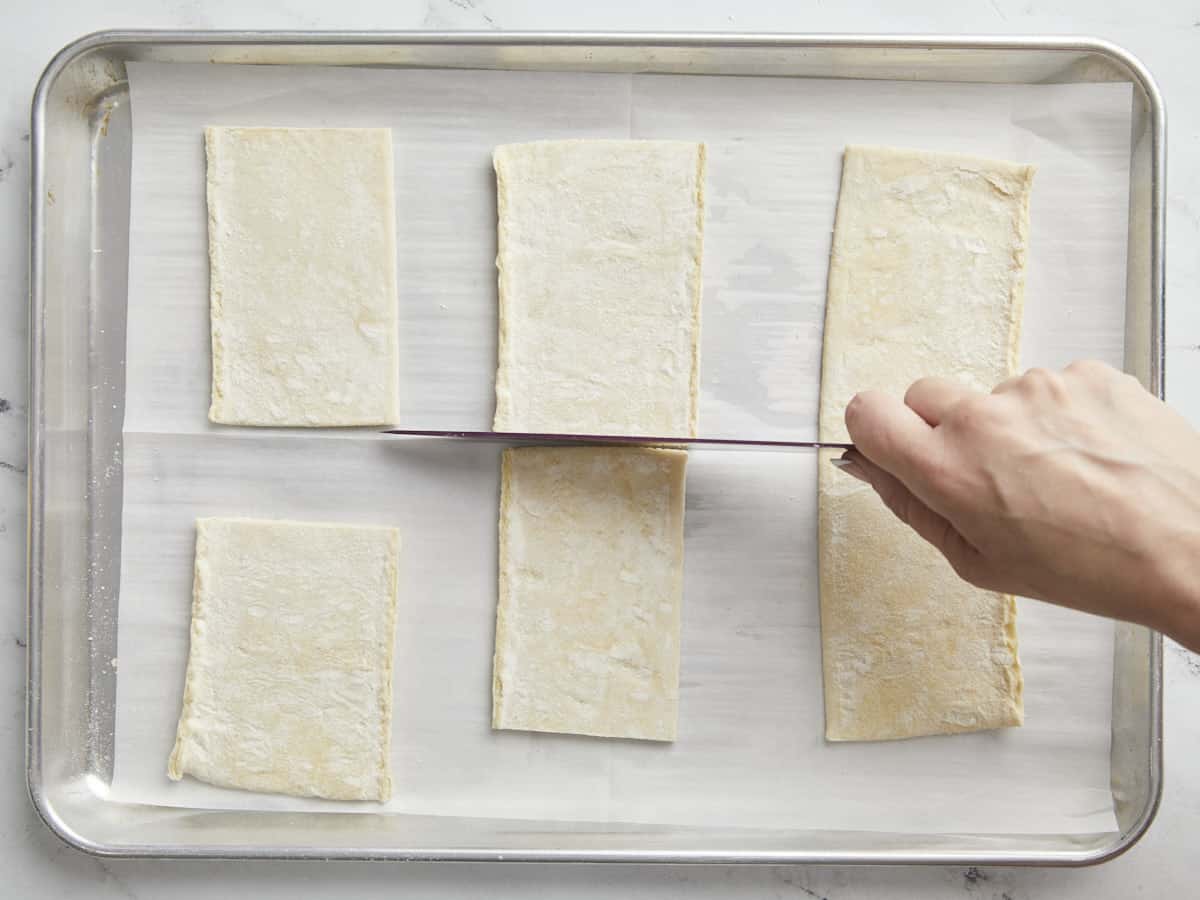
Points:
(1077, 487)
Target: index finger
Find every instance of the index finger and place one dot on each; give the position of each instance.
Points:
(933, 398)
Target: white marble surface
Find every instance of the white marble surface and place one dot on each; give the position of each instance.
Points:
(1166, 35)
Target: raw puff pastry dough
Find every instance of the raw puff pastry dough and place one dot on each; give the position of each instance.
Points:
(599, 258)
(302, 252)
(591, 583)
(926, 278)
(289, 676)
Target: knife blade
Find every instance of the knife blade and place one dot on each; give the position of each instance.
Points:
(523, 438)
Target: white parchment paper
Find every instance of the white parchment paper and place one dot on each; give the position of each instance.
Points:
(750, 750)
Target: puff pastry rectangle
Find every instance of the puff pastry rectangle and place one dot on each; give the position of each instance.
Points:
(289, 685)
(599, 258)
(591, 584)
(926, 278)
(302, 256)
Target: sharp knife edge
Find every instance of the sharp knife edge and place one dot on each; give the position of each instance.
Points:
(519, 438)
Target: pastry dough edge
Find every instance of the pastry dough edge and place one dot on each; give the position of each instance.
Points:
(697, 289)
(502, 586)
(388, 639)
(677, 511)
(216, 409)
(503, 403)
(176, 767)
(217, 412)
(829, 431)
(175, 764)
(502, 350)
(1014, 673)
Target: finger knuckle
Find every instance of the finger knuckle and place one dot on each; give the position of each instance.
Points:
(1131, 380)
(1040, 383)
(1090, 369)
(1007, 384)
(1083, 366)
(1039, 378)
(972, 414)
(917, 388)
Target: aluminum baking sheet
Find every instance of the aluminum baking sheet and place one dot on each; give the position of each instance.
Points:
(750, 751)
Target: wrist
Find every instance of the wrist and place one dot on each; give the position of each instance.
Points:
(1181, 619)
(1186, 631)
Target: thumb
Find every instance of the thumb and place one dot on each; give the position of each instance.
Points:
(894, 437)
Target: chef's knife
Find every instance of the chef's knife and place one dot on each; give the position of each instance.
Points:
(522, 438)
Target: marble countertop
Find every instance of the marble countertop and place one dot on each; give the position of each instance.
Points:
(1165, 35)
